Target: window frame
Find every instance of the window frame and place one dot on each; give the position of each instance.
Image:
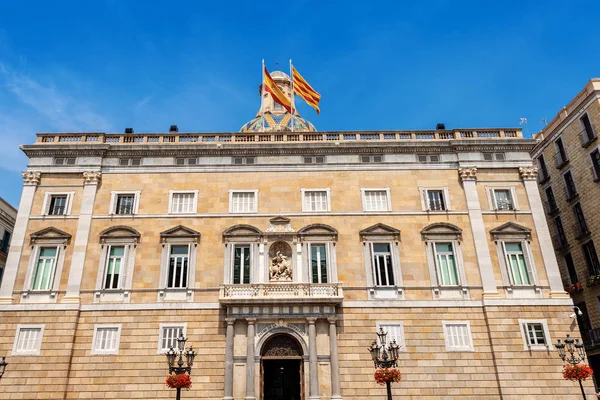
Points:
(186, 161)
(494, 156)
(575, 192)
(380, 233)
(364, 191)
(557, 148)
(327, 191)
(595, 257)
(371, 158)
(424, 195)
(586, 140)
(130, 162)
(524, 334)
(235, 191)
(397, 324)
(314, 160)
(553, 202)
(38, 350)
(458, 349)
(172, 193)
(178, 236)
(94, 351)
(580, 223)
(318, 234)
(591, 161)
(428, 159)
(65, 161)
(243, 235)
(48, 200)
(491, 195)
(112, 210)
(251, 267)
(244, 160)
(162, 326)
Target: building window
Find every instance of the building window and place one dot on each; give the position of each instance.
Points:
(571, 268)
(114, 263)
(314, 160)
(582, 228)
(543, 168)
(560, 232)
(518, 270)
(457, 335)
(186, 161)
(315, 200)
(395, 333)
(383, 268)
(28, 340)
(595, 158)
(318, 263)
(242, 264)
(591, 258)
(178, 267)
(57, 203)
(587, 131)
(45, 268)
(64, 161)
(45, 265)
(551, 205)
(243, 160)
(241, 201)
(106, 339)
(168, 336)
(560, 154)
(435, 199)
(124, 203)
(5, 242)
(445, 263)
(494, 156)
(570, 189)
(428, 158)
(130, 161)
(503, 199)
(371, 159)
(536, 335)
(183, 202)
(376, 199)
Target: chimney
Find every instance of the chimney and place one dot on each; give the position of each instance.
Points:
(440, 127)
(173, 128)
(128, 130)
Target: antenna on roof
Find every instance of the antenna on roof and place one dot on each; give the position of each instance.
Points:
(544, 121)
(522, 122)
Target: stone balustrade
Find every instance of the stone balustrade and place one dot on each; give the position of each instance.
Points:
(275, 292)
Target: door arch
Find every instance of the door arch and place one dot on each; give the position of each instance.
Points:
(281, 368)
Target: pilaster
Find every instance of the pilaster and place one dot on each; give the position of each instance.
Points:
(228, 391)
(312, 360)
(336, 392)
(250, 360)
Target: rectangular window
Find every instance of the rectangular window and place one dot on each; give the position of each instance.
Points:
(178, 267)
(560, 231)
(318, 263)
(595, 157)
(183, 202)
(587, 131)
(28, 340)
(552, 206)
(371, 159)
(376, 200)
(543, 168)
(314, 160)
(243, 202)
(561, 154)
(64, 161)
(45, 269)
(493, 156)
(435, 200)
(570, 189)
(169, 335)
(591, 258)
(503, 199)
(535, 334)
(316, 200)
(516, 263)
(457, 336)
(58, 205)
(124, 204)
(383, 269)
(445, 261)
(241, 264)
(582, 228)
(243, 160)
(106, 339)
(395, 333)
(114, 265)
(428, 158)
(5, 243)
(130, 161)
(186, 161)
(571, 268)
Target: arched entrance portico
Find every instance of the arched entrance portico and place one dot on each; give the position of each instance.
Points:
(282, 368)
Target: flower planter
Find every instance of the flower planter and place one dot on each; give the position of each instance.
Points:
(385, 375)
(179, 381)
(574, 288)
(577, 372)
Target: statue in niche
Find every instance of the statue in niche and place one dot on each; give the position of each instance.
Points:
(280, 269)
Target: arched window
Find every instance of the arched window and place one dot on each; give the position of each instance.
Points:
(318, 244)
(382, 261)
(241, 252)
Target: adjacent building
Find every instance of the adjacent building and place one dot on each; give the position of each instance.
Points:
(8, 215)
(278, 251)
(568, 159)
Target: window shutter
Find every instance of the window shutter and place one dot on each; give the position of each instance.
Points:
(425, 199)
(46, 205)
(529, 264)
(373, 266)
(111, 209)
(493, 196)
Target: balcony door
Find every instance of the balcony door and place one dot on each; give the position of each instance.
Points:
(282, 369)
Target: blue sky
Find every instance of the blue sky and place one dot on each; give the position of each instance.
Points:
(107, 65)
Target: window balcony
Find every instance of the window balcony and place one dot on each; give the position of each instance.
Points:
(590, 338)
(264, 293)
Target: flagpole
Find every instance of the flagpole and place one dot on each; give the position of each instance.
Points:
(262, 95)
(292, 94)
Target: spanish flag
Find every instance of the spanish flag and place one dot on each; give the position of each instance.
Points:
(276, 93)
(304, 90)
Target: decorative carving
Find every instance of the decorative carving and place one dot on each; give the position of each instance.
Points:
(281, 268)
(467, 173)
(31, 177)
(91, 177)
(528, 173)
(281, 346)
(279, 224)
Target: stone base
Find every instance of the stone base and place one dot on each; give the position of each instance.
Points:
(559, 295)
(71, 300)
(491, 295)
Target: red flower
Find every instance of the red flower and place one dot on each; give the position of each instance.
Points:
(179, 381)
(577, 372)
(384, 375)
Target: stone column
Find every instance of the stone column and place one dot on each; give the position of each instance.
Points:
(529, 177)
(31, 180)
(468, 176)
(228, 392)
(312, 360)
(250, 360)
(91, 179)
(336, 393)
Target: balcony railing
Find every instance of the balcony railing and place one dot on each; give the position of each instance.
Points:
(277, 292)
(591, 338)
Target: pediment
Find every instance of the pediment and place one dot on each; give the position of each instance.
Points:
(179, 231)
(380, 230)
(319, 230)
(279, 225)
(50, 234)
(242, 230)
(279, 220)
(510, 229)
(119, 232)
(441, 230)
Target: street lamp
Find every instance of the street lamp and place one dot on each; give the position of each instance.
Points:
(3, 365)
(573, 352)
(177, 365)
(384, 357)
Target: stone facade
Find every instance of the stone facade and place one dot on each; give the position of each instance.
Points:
(8, 214)
(576, 126)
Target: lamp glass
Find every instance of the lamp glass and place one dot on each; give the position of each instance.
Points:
(190, 355)
(181, 342)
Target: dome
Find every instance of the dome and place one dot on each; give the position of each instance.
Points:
(278, 123)
(279, 74)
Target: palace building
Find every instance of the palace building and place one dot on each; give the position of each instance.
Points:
(278, 251)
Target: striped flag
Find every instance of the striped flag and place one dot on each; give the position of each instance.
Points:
(276, 93)
(304, 90)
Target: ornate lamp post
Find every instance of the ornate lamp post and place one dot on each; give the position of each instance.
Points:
(3, 365)
(384, 357)
(179, 368)
(573, 352)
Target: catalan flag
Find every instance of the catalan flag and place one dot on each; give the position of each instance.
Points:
(304, 90)
(276, 93)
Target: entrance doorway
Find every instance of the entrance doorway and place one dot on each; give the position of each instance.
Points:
(281, 369)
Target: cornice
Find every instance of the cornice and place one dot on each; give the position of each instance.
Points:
(53, 150)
